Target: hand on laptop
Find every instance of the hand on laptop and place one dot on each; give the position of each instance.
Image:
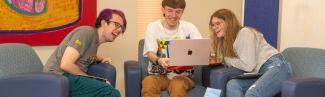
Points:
(213, 60)
(164, 62)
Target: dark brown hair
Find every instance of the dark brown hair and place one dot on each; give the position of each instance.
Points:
(174, 3)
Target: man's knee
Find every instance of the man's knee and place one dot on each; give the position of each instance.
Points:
(177, 83)
(152, 86)
(149, 81)
(183, 83)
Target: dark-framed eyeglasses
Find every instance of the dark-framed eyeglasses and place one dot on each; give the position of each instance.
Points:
(116, 25)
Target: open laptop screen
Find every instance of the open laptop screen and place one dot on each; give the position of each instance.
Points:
(187, 52)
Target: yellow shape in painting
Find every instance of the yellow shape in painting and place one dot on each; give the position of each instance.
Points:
(59, 13)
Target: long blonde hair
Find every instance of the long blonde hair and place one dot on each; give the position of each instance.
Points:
(223, 47)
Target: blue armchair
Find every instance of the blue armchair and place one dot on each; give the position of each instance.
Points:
(308, 69)
(204, 76)
(107, 71)
(21, 74)
(135, 71)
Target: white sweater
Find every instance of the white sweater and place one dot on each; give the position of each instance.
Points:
(252, 50)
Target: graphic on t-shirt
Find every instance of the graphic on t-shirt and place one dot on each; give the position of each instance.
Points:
(77, 42)
(162, 48)
(156, 68)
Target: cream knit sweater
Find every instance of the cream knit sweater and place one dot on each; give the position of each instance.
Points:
(252, 50)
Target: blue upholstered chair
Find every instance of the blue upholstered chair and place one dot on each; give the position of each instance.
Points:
(107, 71)
(21, 74)
(135, 71)
(308, 69)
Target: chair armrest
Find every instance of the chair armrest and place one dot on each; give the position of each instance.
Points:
(34, 85)
(132, 73)
(106, 71)
(304, 87)
(218, 76)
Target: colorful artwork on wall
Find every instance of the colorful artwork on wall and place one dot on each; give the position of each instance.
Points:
(43, 22)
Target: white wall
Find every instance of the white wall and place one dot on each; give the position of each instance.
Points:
(199, 11)
(302, 23)
(44, 52)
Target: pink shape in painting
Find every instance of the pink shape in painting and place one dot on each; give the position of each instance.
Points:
(27, 6)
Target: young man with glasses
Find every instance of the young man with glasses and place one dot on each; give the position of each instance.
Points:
(176, 80)
(78, 50)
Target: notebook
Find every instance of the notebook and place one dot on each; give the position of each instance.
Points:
(188, 52)
(96, 78)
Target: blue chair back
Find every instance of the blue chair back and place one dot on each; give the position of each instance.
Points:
(306, 62)
(18, 58)
(143, 61)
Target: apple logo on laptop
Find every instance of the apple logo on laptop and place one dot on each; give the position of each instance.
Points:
(189, 52)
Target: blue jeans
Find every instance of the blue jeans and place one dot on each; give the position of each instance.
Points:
(275, 70)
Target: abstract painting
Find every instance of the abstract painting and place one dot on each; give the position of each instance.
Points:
(43, 22)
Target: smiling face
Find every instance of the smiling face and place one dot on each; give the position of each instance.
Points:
(172, 15)
(218, 27)
(112, 28)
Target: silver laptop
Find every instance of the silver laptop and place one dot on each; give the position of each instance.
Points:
(187, 52)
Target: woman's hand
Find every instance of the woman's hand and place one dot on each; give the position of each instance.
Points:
(213, 61)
